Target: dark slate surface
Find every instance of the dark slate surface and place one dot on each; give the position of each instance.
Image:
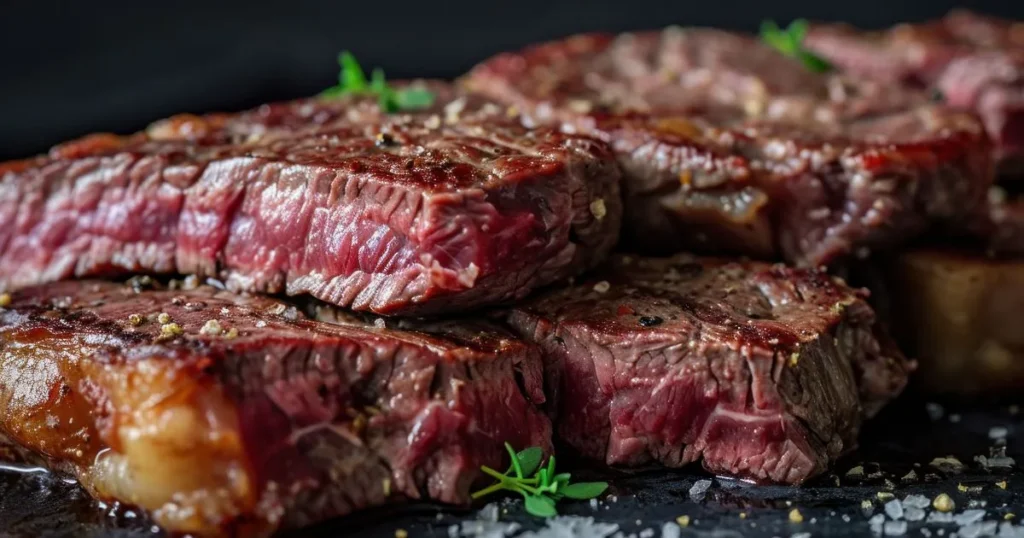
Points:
(904, 438)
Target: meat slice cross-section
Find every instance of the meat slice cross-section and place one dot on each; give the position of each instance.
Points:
(226, 415)
(728, 146)
(403, 214)
(760, 371)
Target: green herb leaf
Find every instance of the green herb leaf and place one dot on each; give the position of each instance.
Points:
(540, 487)
(584, 490)
(529, 460)
(540, 506)
(352, 77)
(413, 98)
(790, 42)
(352, 81)
(515, 460)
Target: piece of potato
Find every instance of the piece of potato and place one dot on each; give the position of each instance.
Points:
(962, 316)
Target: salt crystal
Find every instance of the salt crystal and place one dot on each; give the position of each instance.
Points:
(670, 530)
(894, 509)
(913, 513)
(1007, 530)
(876, 522)
(916, 501)
(982, 528)
(801, 535)
(895, 528)
(846, 518)
(935, 411)
(647, 533)
(969, 516)
(939, 517)
(593, 504)
(699, 489)
(926, 532)
(997, 432)
(572, 527)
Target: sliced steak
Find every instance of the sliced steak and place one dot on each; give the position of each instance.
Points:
(728, 146)
(973, 61)
(237, 416)
(761, 371)
(399, 214)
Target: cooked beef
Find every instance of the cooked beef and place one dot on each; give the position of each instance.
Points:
(728, 146)
(237, 416)
(761, 371)
(973, 61)
(400, 214)
(959, 313)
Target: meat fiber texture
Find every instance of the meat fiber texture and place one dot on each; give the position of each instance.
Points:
(228, 415)
(395, 214)
(974, 62)
(761, 371)
(728, 146)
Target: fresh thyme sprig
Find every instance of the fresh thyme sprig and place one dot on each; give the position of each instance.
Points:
(791, 43)
(540, 487)
(352, 81)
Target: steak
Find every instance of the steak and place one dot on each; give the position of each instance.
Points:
(973, 61)
(728, 146)
(228, 415)
(761, 371)
(403, 214)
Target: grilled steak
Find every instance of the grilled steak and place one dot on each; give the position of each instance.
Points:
(728, 146)
(398, 215)
(221, 414)
(761, 371)
(973, 61)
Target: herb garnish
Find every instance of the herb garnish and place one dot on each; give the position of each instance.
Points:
(791, 43)
(352, 81)
(538, 484)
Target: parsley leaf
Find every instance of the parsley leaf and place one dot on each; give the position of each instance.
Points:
(540, 487)
(790, 42)
(352, 81)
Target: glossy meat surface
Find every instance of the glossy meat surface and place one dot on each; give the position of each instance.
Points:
(728, 146)
(226, 415)
(759, 371)
(396, 215)
(975, 62)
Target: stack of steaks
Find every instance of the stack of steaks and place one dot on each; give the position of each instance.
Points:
(957, 297)
(249, 322)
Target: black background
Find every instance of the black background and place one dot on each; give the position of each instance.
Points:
(69, 68)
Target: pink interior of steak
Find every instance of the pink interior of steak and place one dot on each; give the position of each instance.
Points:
(376, 216)
(758, 371)
(262, 419)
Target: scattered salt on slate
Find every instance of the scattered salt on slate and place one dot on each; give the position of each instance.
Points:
(916, 501)
(912, 513)
(968, 516)
(982, 528)
(894, 509)
(670, 530)
(699, 489)
(573, 527)
(895, 528)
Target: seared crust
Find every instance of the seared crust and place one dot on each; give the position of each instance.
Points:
(760, 371)
(404, 214)
(228, 415)
(728, 146)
